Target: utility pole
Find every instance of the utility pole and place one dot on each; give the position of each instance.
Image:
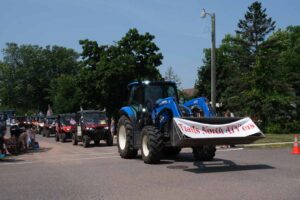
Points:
(213, 56)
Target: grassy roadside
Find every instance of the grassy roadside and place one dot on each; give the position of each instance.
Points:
(274, 138)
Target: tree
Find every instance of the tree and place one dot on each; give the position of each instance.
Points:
(29, 71)
(171, 76)
(65, 94)
(108, 69)
(255, 27)
(252, 71)
(143, 51)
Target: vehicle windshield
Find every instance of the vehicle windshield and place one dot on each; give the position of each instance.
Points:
(94, 118)
(50, 120)
(68, 120)
(155, 92)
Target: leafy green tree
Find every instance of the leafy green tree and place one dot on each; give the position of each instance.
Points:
(65, 94)
(29, 72)
(108, 69)
(250, 72)
(143, 51)
(255, 27)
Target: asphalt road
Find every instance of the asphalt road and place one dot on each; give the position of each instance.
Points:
(62, 171)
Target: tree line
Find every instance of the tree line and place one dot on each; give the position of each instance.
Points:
(258, 72)
(33, 77)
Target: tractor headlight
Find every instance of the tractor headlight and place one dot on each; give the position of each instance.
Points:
(106, 127)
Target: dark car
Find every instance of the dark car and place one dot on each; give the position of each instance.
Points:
(48, 127)
(92, 125)
(66, 126)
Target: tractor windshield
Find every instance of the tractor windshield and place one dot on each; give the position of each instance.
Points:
(155, 92)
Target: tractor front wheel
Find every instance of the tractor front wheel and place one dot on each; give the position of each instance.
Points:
(125, 138)
(204, 153)
(151, 144)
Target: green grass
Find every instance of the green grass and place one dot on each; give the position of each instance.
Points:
(273, 138)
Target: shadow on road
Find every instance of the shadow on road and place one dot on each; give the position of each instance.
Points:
(220, 165)
(10, 160)
(40, 150)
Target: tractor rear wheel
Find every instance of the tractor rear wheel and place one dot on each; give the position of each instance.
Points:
(151, 144)
(204, 153)
(125, 138)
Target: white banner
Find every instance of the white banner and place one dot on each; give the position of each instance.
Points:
(241, 128)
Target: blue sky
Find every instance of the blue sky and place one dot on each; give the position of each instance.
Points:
(181, 34)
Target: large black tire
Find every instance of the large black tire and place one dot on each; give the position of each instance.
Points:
(86, 141)
(74, 139)
(63, 138)
(171, 151)
(151, 144)
(96, 142)
(204, 153)
(125, 138)
(109, 139)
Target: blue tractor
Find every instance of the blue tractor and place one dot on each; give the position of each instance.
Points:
(155, 123)
(200, 107)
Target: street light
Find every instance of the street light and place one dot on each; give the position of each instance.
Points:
(213, 56)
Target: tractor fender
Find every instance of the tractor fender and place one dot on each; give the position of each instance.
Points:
(168, 103)
(129, 112)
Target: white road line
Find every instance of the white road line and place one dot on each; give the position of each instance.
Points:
(231, 149)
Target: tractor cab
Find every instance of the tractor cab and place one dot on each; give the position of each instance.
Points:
(144, 95)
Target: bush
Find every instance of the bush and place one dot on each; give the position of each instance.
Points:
(274, 128)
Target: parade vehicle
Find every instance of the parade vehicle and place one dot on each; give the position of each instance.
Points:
(92, 125)
(48, 127)
(20, 121)
(200, 107)
(156, 123)
(65, 127)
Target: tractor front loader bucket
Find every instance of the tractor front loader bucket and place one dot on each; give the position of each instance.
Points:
(192, 132)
